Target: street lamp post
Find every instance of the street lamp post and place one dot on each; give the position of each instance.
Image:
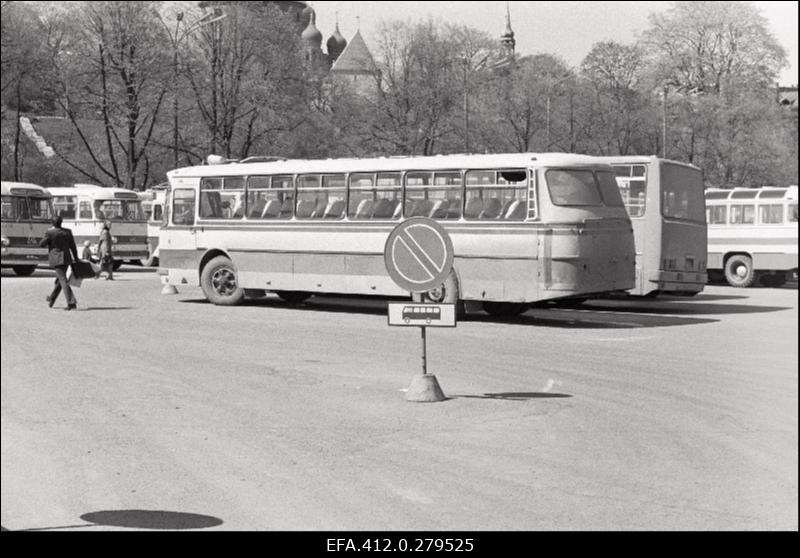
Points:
(550, 88)
(475, 62)
(176, 38)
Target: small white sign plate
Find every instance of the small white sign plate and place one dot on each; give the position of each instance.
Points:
(416, 314)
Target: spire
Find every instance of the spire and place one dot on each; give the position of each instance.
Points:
(507, 38)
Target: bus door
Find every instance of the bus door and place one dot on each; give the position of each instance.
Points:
(632, 180)
(178, 250)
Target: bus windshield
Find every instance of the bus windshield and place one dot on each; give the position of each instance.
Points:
(23, 208)
(682, 194)
(119, 210)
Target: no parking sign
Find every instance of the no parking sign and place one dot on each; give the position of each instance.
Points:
(418, 255)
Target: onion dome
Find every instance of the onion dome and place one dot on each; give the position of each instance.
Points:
(336, 44)
(311, 34)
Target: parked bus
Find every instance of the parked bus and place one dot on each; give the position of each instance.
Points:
(752, 235)
(153, 207)
(85, 207)
(525, 227)
(27, 212)
(665, 202)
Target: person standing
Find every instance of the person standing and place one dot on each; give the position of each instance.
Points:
(61, 253)
(106, 252)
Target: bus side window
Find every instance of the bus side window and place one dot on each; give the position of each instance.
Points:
(770, 214)
(792, 213)
(718, 214)
(183, 206)
(85, 211)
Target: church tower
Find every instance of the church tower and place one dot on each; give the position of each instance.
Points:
(315, 60)
(507, 39)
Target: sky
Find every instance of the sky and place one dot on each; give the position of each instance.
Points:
(567, 29)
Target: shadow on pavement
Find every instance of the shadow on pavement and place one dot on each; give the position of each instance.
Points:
(147, 519)
(514, 396)
(675, 308)
(586, 318)
(94, 308)
(140, 519)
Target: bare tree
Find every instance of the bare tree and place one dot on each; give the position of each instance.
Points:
(117, 82)
(247, 79)
(416, 103)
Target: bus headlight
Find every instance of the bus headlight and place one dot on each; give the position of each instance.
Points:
(113, 240)
(6, 242)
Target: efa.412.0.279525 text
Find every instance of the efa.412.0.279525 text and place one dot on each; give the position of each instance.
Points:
(399, 544)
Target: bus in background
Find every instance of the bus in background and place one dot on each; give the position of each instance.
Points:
(153, 206)
(27, 212)
(525, 227)
(752, 235)
(665, 201)
(85, 207)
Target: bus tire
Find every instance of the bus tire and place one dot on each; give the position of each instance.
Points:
(220, 283)
(739, 271)
(293, 297)
(505, 309)
(117, 264)
(152, 261)
(446, 293)
(24, 270)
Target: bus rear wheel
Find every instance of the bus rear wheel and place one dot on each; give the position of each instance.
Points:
(446, 293)
(293, 297)
(504, 309)
(220, 284)
(24, 270)
(739, 271)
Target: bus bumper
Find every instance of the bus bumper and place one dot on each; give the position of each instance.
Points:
(678, 281)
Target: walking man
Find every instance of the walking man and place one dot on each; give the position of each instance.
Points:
(61, 253)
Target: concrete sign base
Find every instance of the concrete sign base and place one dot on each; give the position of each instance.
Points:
(425, 389)
(169, 290)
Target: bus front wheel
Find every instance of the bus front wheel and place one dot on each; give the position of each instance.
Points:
(220, 284)
(24, 270)
(739, 271)
(117, 264)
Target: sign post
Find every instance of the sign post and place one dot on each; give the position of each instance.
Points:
(419, 257)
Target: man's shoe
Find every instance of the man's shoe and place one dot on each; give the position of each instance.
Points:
(50, 301)
(71, 307)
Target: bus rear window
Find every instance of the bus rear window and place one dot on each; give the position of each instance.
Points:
(573, 187)
(682, 194)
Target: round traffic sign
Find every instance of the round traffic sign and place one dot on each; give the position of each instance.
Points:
(418, 255)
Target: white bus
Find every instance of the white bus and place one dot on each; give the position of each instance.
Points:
(525, 227)
(85, 207)
(27, 212)
(752, 235)
(665, 201)
(153, 206)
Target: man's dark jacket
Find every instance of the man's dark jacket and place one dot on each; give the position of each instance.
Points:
(61, 246)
